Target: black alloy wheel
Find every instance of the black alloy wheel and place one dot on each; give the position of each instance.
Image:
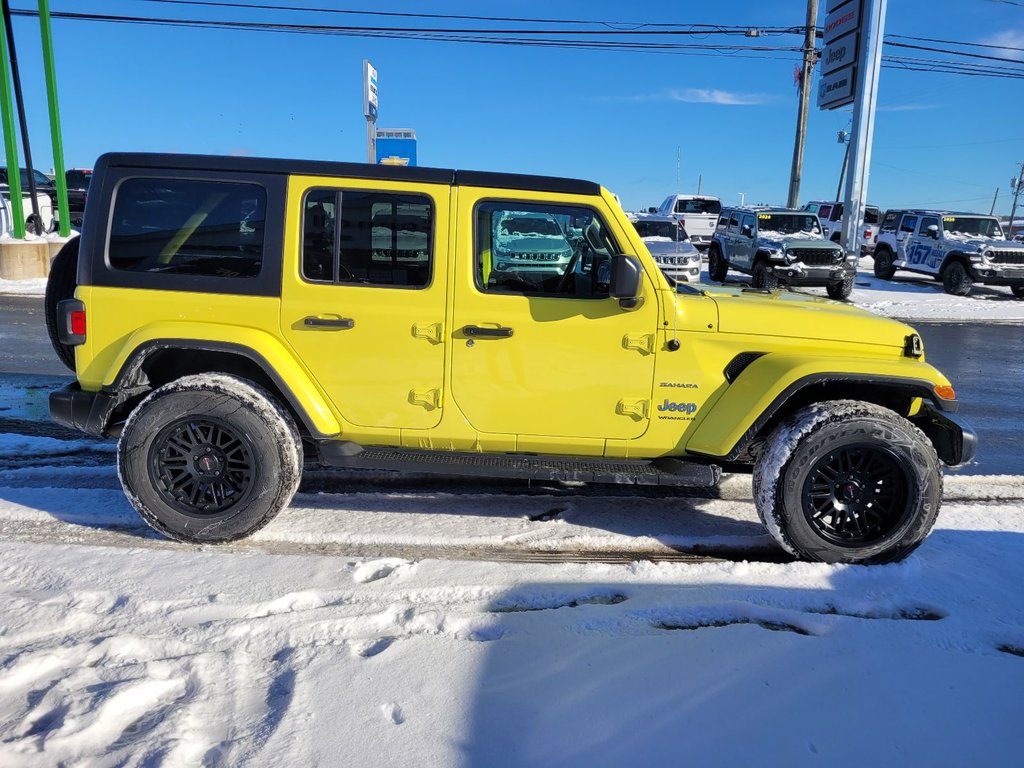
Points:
(202, 466)
(857, 495)
(884, 269)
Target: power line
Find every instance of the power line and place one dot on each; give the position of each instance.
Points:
(1011, 69)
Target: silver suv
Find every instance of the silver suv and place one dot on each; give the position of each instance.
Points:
(669, 245)
(959, 248)
(779, 245)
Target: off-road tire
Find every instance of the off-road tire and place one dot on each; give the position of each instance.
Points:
(892, 483)
(61, 285)
(1017, 291)
(763, 278)
(718, 267)
(204, 433)
(956, 280)
(840, 291)
(884, 267)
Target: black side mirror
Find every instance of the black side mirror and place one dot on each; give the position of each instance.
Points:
(747, 230)
(625, 280)
(933, 231)
(652, 209)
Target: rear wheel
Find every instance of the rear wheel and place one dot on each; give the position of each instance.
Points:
(717, 266)
(956, 280)
(840, 291)
(884, 268)
(209, 458)
(61, 285)
(763, 278)
(848, 482)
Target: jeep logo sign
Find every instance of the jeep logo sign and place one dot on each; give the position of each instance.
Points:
(686, 408)
(839, 54)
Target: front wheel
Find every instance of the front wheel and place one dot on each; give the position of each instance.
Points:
(956, 280)
(209, 458)
(717, 266)
(845, 481)
(840, 291)
(764, 278)
(1017, 291)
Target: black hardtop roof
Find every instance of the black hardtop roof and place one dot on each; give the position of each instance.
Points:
(930, 212)
(352, 170)
(767, 209)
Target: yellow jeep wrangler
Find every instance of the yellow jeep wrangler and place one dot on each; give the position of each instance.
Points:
(228, 317)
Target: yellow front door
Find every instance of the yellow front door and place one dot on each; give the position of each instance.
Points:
(363, 296)
(538, 347)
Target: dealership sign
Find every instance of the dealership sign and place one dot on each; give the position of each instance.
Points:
(839, 59)
(369, 90)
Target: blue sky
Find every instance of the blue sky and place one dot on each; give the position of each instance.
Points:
(615, 117)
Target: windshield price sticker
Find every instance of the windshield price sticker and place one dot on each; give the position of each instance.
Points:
(948, 219)
(764, 215)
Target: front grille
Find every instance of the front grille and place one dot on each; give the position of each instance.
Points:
(1006, 257)
(817, 257)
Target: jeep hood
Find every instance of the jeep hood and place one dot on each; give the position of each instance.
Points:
(787, 314)
(778, 241)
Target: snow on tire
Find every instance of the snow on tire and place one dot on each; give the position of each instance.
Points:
(209, 458)
(848, 482)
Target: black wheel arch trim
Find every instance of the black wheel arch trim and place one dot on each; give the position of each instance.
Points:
(915, 387)
(128, 375)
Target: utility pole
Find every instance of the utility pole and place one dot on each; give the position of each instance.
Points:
(995, 197)
(805, 94)
(1016, 184)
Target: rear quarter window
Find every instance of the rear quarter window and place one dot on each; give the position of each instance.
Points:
(188, 227)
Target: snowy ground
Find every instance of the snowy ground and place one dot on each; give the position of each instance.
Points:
(419, 622)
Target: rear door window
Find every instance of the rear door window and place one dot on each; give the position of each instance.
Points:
(367, 238)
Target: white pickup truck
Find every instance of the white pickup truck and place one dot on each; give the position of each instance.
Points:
(697, 214)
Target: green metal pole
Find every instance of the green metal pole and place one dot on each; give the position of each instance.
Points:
(64, 215)
(11, 142)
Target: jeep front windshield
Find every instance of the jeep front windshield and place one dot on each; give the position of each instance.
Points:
(531, 226)
(971, 226)
(665, 229)
(788, 223)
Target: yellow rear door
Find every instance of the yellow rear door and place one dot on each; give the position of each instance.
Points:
(538, 347)
(363, 295)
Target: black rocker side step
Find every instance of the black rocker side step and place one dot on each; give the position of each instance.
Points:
(664, 471)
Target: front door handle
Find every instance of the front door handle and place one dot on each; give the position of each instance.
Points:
(329, 323)
(475, 331)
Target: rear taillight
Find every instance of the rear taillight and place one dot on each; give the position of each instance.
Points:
(867, 234)
(71, 325)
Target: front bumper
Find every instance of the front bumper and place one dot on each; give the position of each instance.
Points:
(954, 440)
(997, 274)
(87, 412)
(800, 273)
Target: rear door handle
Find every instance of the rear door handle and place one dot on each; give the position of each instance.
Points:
(329, 323)
(494, 333)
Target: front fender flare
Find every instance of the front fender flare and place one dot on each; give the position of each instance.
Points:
(764, 387)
